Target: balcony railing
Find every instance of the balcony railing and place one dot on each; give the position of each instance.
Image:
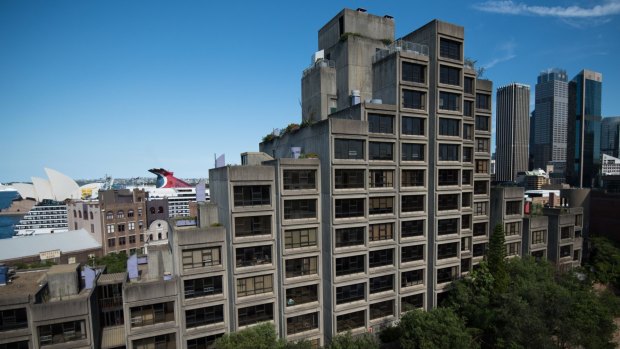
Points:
(322, 63)
(401, 46)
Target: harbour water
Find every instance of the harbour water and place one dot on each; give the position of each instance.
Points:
(7, 222)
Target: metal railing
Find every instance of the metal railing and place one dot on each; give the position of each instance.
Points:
(323, 63)
(401, 46)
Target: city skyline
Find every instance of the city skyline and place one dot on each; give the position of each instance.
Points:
(152, 79)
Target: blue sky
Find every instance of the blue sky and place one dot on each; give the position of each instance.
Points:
(117, 87)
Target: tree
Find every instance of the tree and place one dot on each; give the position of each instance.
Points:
(604, 263)
(114, 262)
(496, 258)
(261, 336)
(438, 328)
(346, 341)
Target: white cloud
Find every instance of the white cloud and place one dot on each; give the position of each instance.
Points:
(505, 52)
(609, 8)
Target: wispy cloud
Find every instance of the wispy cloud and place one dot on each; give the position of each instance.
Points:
(505, 52)
(609, 8)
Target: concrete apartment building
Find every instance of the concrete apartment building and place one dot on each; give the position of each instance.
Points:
(404, 161)
(512, 131)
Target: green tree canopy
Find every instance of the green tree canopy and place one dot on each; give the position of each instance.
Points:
(439, 328)
(261, 336)
(346, 341)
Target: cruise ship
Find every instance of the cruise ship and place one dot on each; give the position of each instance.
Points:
(46, 217)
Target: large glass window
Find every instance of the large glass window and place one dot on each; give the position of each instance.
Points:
(413, 72)
(300, 209)
(298, 238)
(412, 178)
(448, 226)
(412, 228)
(381, 151)
(412, 203)
(468, 85)
(513, 207)
(538, 237)
(480, 229)
(254, 285)
(468, 154)
(381, 231)
(13, 319)
(164, 341)
(204, 316)
(482, 166)
(15, 345)
(380, 205)
(255, 255)
(449, 75)
(414, 99)
(349, 179)
(482, 123)
(252, 195)
(412, 152)
(299, 179)
(467, 177)
(381, 309)
(479, 250)
(466, 199)
(447, 274)
(206, 342)
(449, 250)
(347, 208)
(446, 202)
(481, 208)
(252, 226)
(412, 302)
(301, 295)
(483, 101)
(381, 258)
(349, 149)
(481, 187)
(381, 284)
(201, 257)
(350, 293)
(378, 123)
(482, 145)
(255, 314)
(412, 278)
(412, 253)
(448, 177)
(449, 49)
(513, 228)
(449, 152)
(302, 323)
(449, 101)
(152, 314)
(381, 178)
(348, 322)
(349, 237)
(449, 127)
(468, 132)
(301, 267)
(206, 286)
(413, 126)
(350, 265)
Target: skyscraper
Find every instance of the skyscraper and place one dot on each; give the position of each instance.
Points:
(513, 128)
(610, 136)
(584, 129)
(551, 104)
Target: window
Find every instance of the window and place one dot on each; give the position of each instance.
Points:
(480, 229)
(480, 187)
(465, 222)
(130, 213)
(381, 258)
(381, 179)
(350, 265)
(578, 220)
(483, 101)
(349, 179)
(348, 208)
(131, 226)
(120, 214)
(140, 224)
(468, 132)
(565, 251)
(412, 203)
(481, 208)
(413, 72)
(466, 244)
(254, 285)
(414, 99)
(122, 241)
(382, 231)
(449, 250)
(302, 323)
(480, 249)
(350, 293)
(450, 49)
(109, 215)
(301, 295)
(163, 341)
(448, 177)
(381, 151)
(447, 274)
(299, 238)
(412, 228)
(255, 314)
(513, 228)
(139, 212)
(467, 177)
(512, 249)
(448, 226)
(151, 314)
(576, 254)
(412, 278)
(513, 207)
(468, 108)
(381, 309)
(468, 85)
(412, 152)
(380, 205)
(300, 209)
(132, 239)
(207, 286)
(121, 227)
(482, 145)
(252, 195)
(446, 202)
(349, 149)
(378, 123)
(15, 345)
(299, 179)
(201, 257)
(252, 226)
(412, 178)
(110, 228)
(565, 233)
(349, 237)
(413, 126)
(538, 237)
(449, 152)
(482, 166)
(482, 123)
(466, 199)
(348, 322)
(203, 342)
(412, 253)
(381, 284)
(204, 316)
(449, 75)
(468, 154)
(412, 302)
(449, 101)
(449, 127)
(62, 332)
(251, 256)
(301, 267)
(111, 242)
(13, 319)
